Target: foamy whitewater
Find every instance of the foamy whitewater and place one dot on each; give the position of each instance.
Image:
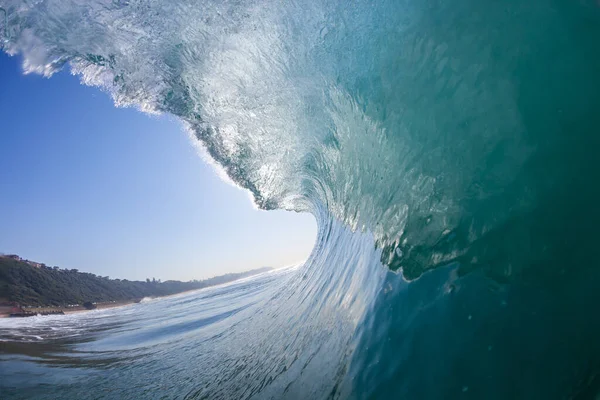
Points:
(446, 149)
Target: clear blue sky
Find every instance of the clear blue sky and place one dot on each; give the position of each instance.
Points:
(117, 192)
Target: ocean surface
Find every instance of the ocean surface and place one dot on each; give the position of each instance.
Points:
(448, 151)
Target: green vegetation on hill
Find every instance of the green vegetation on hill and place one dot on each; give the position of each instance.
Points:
(32, 285)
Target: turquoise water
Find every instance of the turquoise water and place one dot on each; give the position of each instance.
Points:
(446, 149)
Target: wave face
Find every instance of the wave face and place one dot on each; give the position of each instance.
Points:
(283, 334)
(454, 135)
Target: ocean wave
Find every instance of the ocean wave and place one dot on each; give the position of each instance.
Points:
(419, 134)
(427, 132)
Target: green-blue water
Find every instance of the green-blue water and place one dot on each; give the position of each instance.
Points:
(446, 149)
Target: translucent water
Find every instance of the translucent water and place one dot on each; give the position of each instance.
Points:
(453, 143)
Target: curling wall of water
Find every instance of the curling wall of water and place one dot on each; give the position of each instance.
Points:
(458, 137)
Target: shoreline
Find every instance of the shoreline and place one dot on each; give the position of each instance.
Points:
(70, 310)
(5, 312)
(6, 309)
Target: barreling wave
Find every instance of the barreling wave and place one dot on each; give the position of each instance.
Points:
(448, 131)
(456, 133)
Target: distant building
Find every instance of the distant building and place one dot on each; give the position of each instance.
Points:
(34, 264)
(18, 258)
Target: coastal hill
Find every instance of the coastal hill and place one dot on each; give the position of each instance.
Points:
(30, 283)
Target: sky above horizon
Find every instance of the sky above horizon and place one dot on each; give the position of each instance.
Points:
(117, 192)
